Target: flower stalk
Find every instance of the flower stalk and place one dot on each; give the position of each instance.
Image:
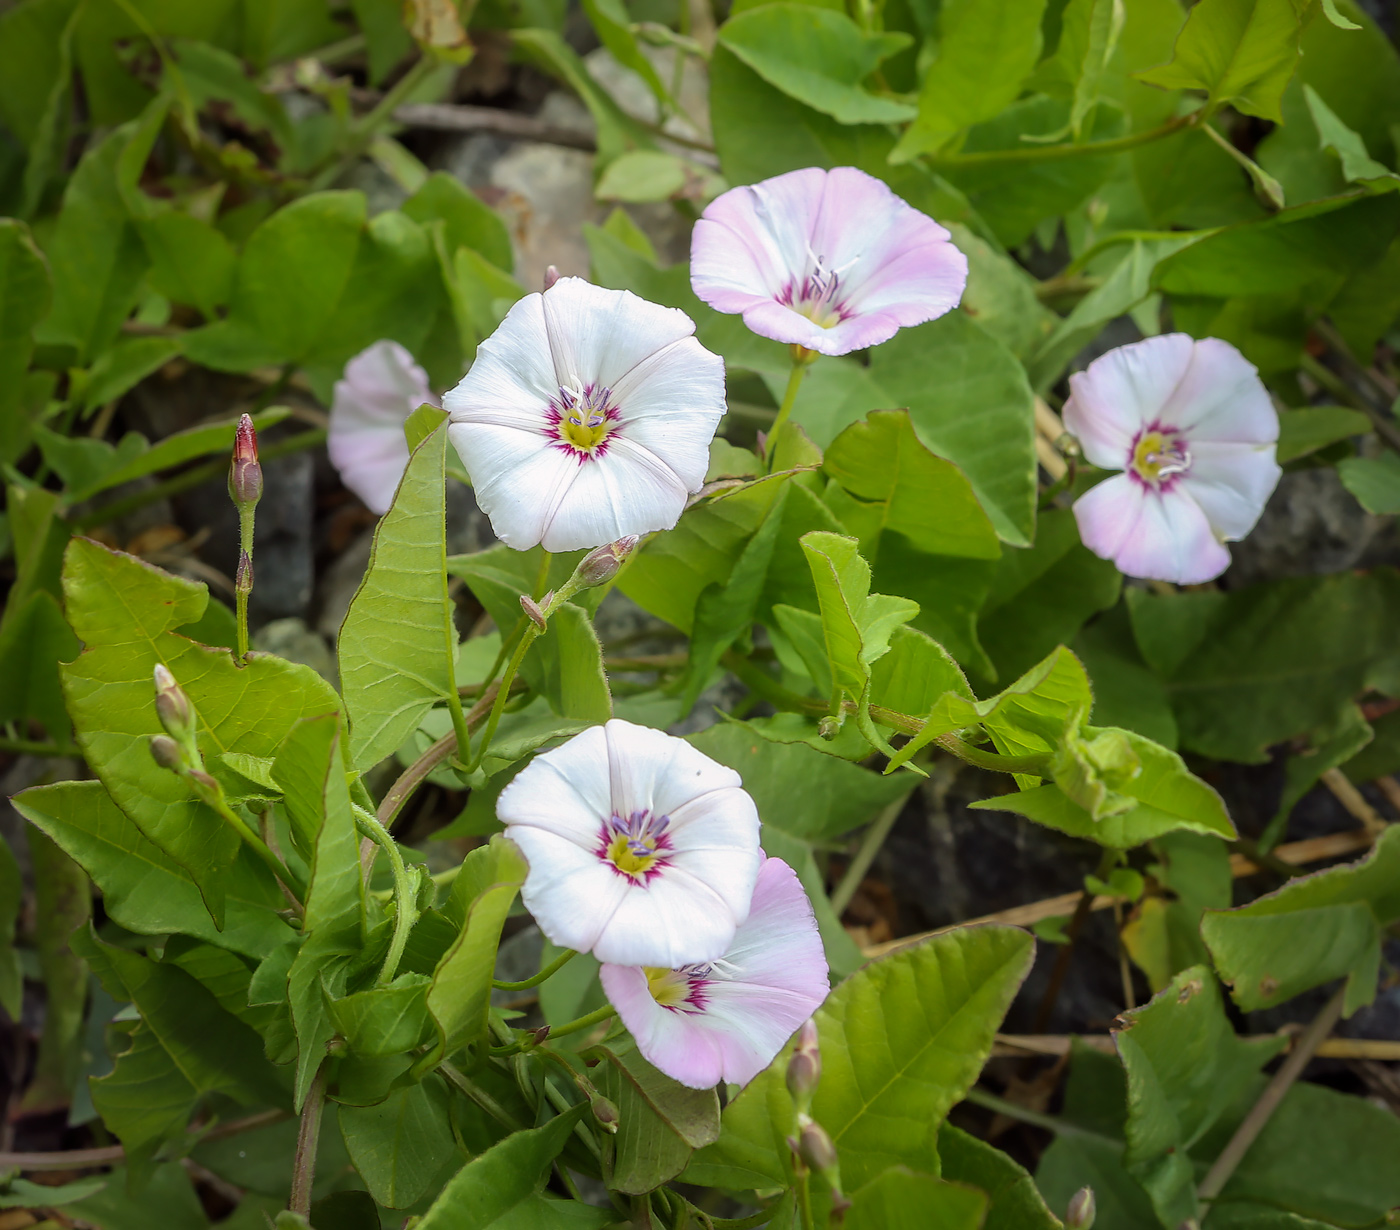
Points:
(802, 359)
(245, 487)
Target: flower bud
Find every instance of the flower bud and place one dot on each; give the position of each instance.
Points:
(804, 1070)
(808, 1039)
(551, 275)
(829, 727)
(173, 707)
(532, 609)
(605, 1113)
(166, 753)
(1081, 1211)
(245, 482)
(601, 564)
(815, 1148)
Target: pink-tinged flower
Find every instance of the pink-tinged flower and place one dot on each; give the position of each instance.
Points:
(587, 417)
(829, 260)
(642, 850)
(725, 1020)
(1193, 430)
(381, 387)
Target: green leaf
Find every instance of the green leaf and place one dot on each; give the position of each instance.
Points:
(507, 1177)
(1313, 427)
(397, 643)
(95, 255)
(124, 611)
(1164, 936)
(24, 299)
(1241, 52)
(902, 1041)
(191, 262)
(1357, 164)
(818, 56)
(1041, 596)
(1327, 749)
(470, 222)
(907, 489)
(1079, 68)
(660, 1122)
(1312, 930)
(571, 658)
(1185, 1068)
(33, 641)
(1015, 1202)
(145, 1099)
(310, 768)
(143, 889)
(857, 624)
(400, 1146)
(902, 1199)
(915, 674)
(1374, 481)
(1126, 692)
(984, 54)
(20, 1193)
(387, 1020)
(287, 286)
(613, 25)
(213, 1050)
(1261, 665)
(460, 996)
(795, 788)
(11, 898)
(123, 366)
(1169, 797)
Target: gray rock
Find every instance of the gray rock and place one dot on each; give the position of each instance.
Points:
(293, 640)
(339, 583)
(283, 564)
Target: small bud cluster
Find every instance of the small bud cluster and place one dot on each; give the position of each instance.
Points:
(601, 564)
(812, 1147)
(1081, 1211)
(178, 748)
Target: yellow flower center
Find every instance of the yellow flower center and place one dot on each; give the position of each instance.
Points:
(632, 856)
(583, 419)
(583, 429)
(669, 987)
(1158, 455)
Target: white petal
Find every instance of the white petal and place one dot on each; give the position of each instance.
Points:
(1221, 398)
(654, 771)
(1123, 391)
(625, 490)
(597, 336)
(670, 403)
(565, 791)
(512, 369)
(520, 479)
(573, 894)
(1232, 483)
(1149, 534)
(674, 920)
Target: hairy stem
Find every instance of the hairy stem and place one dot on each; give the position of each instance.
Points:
(870, 845)
(1012, 1110)
(308, 1138)
(799, 369)
(1056, 153)
(1292, 1068)
(584, 1022)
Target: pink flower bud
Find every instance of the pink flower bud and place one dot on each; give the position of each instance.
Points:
(815, 1148)
(601, 564)
(532, 609)
(166, 753)
(551, 275)
(245, 482)
(173, 707)
(605, 1113)
(804, 1070)
(1082, 1210)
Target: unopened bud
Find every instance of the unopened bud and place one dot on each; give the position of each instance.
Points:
(808, 1039)
(173, 707)
(1081, 1211)
(804, 1070)
(829, 727)
(815, 1148)
(245, 482)
(532, 609)
(551, 275)
(601, 564)
(166, 753)
(605, 1113)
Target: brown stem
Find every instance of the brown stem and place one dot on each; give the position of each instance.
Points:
(115, 1155)
(1248, 1131)
(308, 1138)
(1066, 951)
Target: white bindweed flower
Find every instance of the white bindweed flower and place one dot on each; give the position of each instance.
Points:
(829, 260)
(587, 417)
(1191, 426)
(642, 850)
(726, 1019)
(381, 387)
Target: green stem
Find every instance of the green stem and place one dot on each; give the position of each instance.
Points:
(35, 747)
(363, 131)
(1061, 1127)
(1035, 765)
(1266, 187)
(799, 369)
(259, 847)
(544, 975)
(1056, 153)
(243, 585)
(583, 1022)
(193, 478)
(562, 1105)
(308, 1138)
(481, 1097)
(405, 893)
(804, 1199)
(527, 638)
(870, 845)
